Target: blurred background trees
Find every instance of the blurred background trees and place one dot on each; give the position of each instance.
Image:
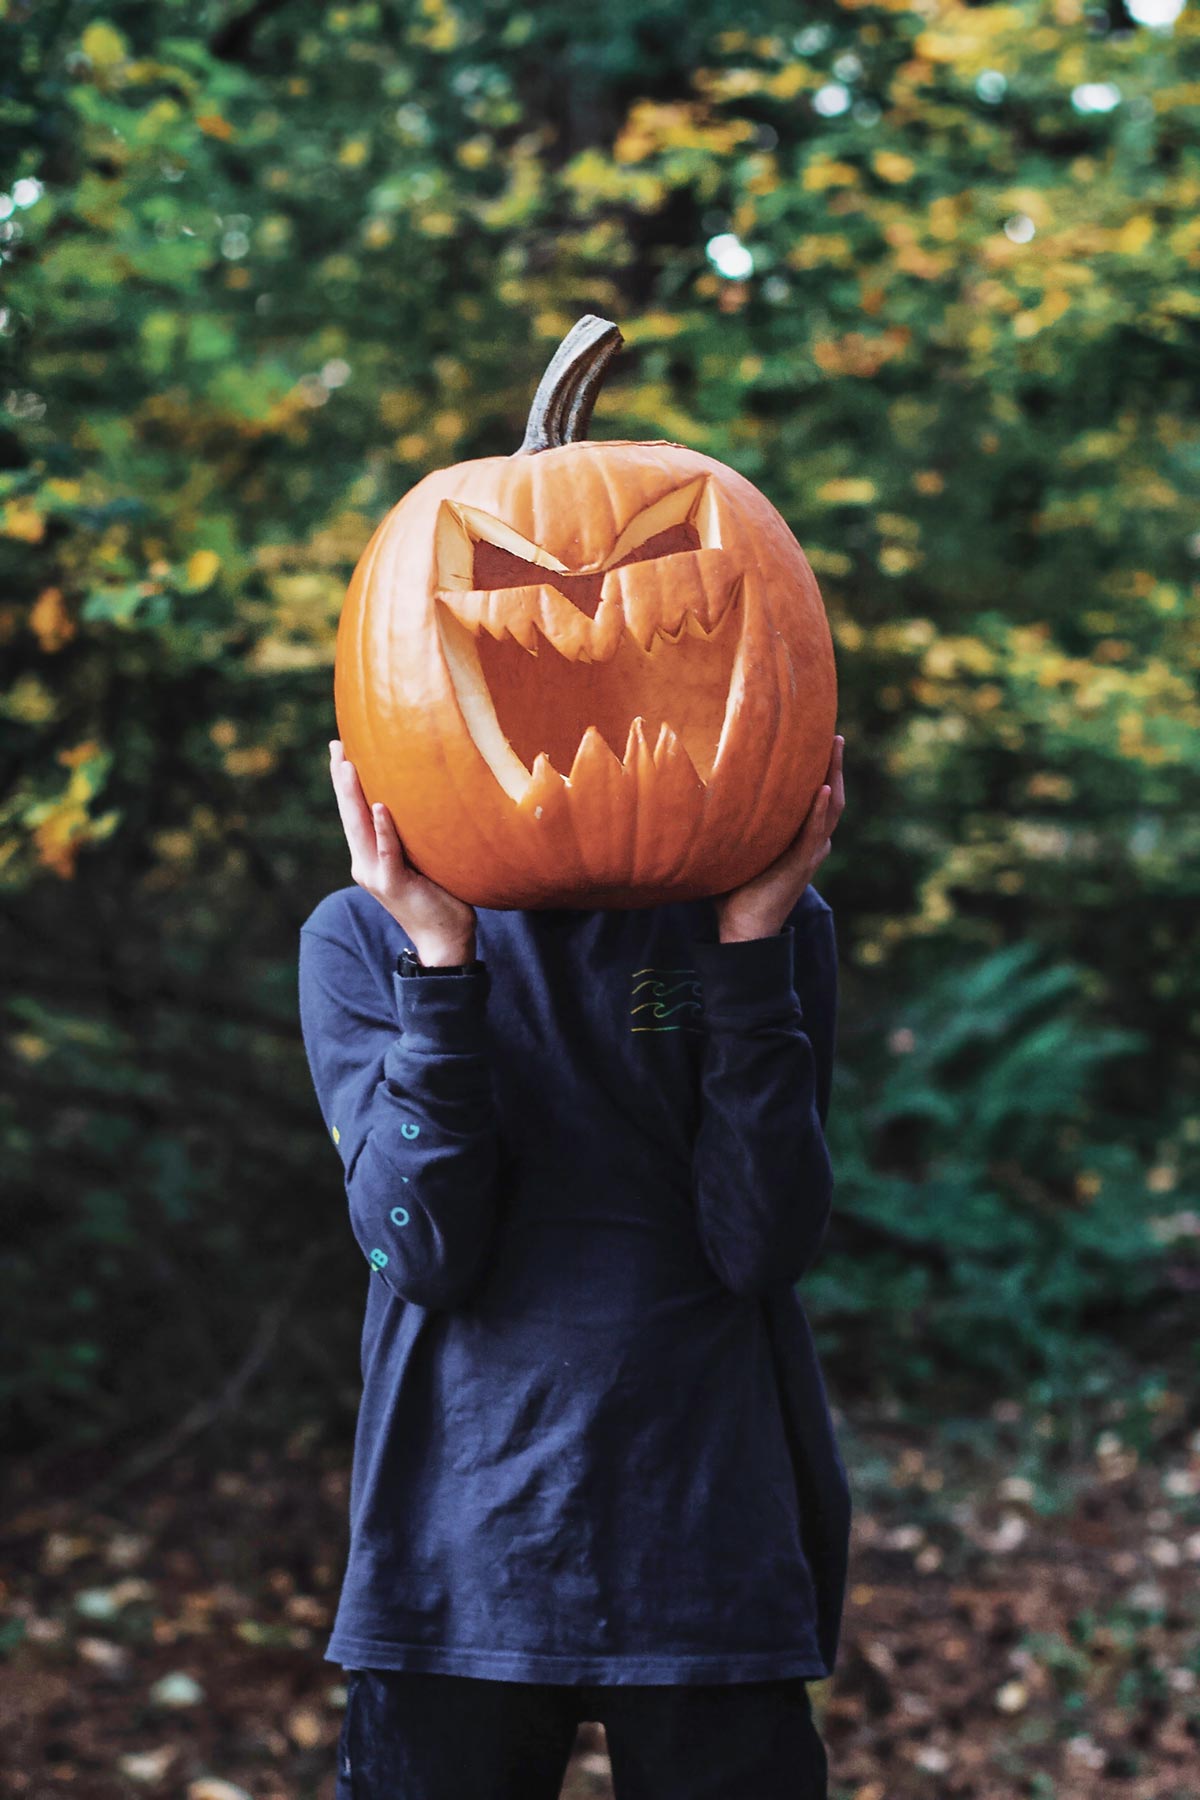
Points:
(927, 274)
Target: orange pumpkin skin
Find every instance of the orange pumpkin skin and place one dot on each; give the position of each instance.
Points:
(638, 775)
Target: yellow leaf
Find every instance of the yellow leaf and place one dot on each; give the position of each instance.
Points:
(28, 700)
(1135, 234)
(847, 491)
(61, 826)
(49, 620)
(826, 174)
(202, 566)
(651, 326)
(77, 756)
(821, 247)
(23, 522)
(1182, 300)
(103, 45)
(436, 224)
(654, 125)
(254, 759)
(789, 81)
(859, 354)
(889, 165)
(831, 562)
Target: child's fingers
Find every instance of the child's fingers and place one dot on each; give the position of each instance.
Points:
(815, 823)
(839, 781)
(353, 809)
(814, 828)
(388, 847)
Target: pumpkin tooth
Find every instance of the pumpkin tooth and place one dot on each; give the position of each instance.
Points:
(634, 590)
(491, 619)
(608, 628)
(543, 613)
(663, 599)
(546, 787)
(476, 610)
(718, 600)
(673, 764)
(639, 757)
(668, 634)
(665, 742)
(643, 618)
(523, 630)
(592, 759)
(563, 626)
(671, 631)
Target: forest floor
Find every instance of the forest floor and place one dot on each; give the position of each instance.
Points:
(167, 1641)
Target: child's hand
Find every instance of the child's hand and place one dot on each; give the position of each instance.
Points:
(761, 907)
(442, 928)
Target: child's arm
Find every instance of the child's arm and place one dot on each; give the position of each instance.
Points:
(762, 1177)
(405, 1091)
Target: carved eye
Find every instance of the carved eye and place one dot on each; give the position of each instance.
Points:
(475, 551)
(495, 567)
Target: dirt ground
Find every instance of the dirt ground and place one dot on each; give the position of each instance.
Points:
(169, 1641)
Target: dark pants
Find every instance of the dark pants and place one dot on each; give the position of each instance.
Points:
(414, 1736)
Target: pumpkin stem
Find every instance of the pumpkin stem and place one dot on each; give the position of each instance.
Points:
(562, 406)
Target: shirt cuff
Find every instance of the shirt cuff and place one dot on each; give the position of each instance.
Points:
(440, 1011)
(748, 981)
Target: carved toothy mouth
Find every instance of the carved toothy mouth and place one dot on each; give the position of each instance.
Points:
(562, 668)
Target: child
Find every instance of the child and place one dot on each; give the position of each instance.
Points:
(595, 1475)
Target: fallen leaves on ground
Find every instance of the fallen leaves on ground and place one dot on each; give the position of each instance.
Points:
(172, 1644)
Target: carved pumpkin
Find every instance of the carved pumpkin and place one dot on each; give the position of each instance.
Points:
(589, 673)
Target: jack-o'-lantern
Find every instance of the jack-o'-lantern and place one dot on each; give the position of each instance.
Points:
(591, 673)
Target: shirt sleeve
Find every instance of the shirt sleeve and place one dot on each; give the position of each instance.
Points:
(762, 1176)
(405, 1091)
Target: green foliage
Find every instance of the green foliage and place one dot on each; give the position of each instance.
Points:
(265, 267)
(958, 1144)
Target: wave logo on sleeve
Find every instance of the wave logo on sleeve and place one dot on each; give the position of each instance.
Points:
(666, 1000)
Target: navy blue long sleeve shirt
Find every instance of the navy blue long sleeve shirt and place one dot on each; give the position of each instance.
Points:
(594, 1442)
